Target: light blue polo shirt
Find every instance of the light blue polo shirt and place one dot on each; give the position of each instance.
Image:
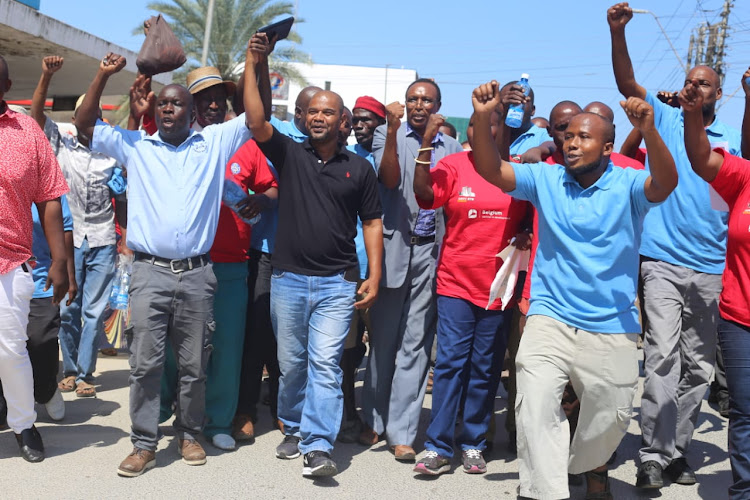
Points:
(263, 235)
(174, 193)
(40, 249)
(532, 138)
(586, 266)
(685, 230)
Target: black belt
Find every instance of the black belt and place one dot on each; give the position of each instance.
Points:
(174, 265)
(422, 240)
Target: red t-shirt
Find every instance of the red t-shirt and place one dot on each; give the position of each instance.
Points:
(480, 222)
(247, 168)
(618, 160)
(733, 184)
(29, 173)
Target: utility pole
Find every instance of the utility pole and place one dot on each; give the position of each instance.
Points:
(207, 32)
(708, 43)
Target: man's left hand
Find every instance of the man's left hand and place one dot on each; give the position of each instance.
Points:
(253, 205)
(433, 126)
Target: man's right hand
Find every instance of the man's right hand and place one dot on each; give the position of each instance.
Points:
(393, 113)
(258, 48)
(51, 64)
(111, 64)
(690, 97)
(141, 96)
(619, 15)
(486, 97)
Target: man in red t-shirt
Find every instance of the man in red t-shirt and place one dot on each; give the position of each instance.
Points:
(29, 173)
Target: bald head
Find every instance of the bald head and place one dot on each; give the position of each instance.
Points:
(559, 118)
(705, 72)
(301, 104)
(596, 124)
(601, 109)
(324, 117)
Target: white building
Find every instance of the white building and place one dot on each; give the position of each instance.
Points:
(350, 82)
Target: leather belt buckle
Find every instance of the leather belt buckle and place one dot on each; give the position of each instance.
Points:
(172, 266)
(414, 240)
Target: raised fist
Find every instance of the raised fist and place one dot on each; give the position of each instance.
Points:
(112, 63)
(51, 64)
(394, 112)
(619, 15)
(639, 112)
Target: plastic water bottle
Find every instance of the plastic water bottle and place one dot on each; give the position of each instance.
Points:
(747, 80)
(124, 269)
(514, 118)
(115, 288)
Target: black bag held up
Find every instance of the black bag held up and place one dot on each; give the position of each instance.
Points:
(161, 52)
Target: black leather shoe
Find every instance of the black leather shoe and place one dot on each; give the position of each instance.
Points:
(680, 472)
(30, 444)
(649, 476)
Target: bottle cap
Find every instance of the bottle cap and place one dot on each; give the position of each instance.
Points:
(525, 75)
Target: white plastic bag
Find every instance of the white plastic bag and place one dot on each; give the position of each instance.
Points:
(504, 284)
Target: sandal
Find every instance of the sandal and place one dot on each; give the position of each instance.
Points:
(67, 384)
(108, 351)
(602, 478)
(85, 390)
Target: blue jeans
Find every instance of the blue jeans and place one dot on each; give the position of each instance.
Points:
(734, 340)
(470, 349)
(311, 317)
(95, 268)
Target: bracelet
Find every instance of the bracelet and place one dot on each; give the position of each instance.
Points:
(420, 150)
(422, 162)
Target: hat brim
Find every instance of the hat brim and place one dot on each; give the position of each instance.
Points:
(230, 86)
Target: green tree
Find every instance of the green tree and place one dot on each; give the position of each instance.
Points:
(234, 22)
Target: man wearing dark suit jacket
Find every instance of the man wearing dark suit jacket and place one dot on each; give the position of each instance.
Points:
(403, 319)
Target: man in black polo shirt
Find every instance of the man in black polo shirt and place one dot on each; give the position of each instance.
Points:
(323, 188)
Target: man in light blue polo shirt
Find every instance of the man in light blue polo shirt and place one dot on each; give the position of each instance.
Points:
(683, 251)
(175, 181)
(582, 323)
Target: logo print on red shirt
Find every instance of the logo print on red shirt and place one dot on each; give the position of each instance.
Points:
(347, 175)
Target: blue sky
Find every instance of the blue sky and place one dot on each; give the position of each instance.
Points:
(564, 46)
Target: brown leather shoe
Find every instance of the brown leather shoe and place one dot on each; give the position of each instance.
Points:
(368, 436)
(404, 453)
(138, 462)
(192, 452)
(243, 428)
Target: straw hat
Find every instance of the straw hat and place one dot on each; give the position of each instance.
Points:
(205, 77)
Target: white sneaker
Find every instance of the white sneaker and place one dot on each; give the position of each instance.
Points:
(55, 406)
(224, 442)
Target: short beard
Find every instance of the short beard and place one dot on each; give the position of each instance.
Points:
(584, 169)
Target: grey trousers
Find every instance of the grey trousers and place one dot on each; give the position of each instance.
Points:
(403, 328)
(179, 307)
(681, 308)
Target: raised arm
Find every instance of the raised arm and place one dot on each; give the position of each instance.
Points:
(705, 162)
(422, 177)
(142, 100)
(389, 170)
(618, 16)
(88, 113)
(50, 65)
(255, 116)
(487, 161)
(746, 117)
(663, 178)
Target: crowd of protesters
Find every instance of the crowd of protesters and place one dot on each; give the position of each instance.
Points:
(386, 246)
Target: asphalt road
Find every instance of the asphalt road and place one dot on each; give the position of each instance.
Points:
(84, 450)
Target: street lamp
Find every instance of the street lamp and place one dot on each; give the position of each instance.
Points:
(644, 11)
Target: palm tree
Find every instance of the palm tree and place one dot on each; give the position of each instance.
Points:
(234, 22)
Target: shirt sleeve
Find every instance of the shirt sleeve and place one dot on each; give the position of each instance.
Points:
(67, 216)
(526, 179)
(378, 143)
(115, 142)
(275, 149)
(733, 177)
(638, 191)
(233, 134)
(149, 124)
(50, 180)
(249, 169)
(663, 113)
(52, 132)
(369, 207)
(443, 181)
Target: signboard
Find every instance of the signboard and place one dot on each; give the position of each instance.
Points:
(279, 86)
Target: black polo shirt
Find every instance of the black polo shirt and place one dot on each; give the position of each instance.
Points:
(318, 206)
